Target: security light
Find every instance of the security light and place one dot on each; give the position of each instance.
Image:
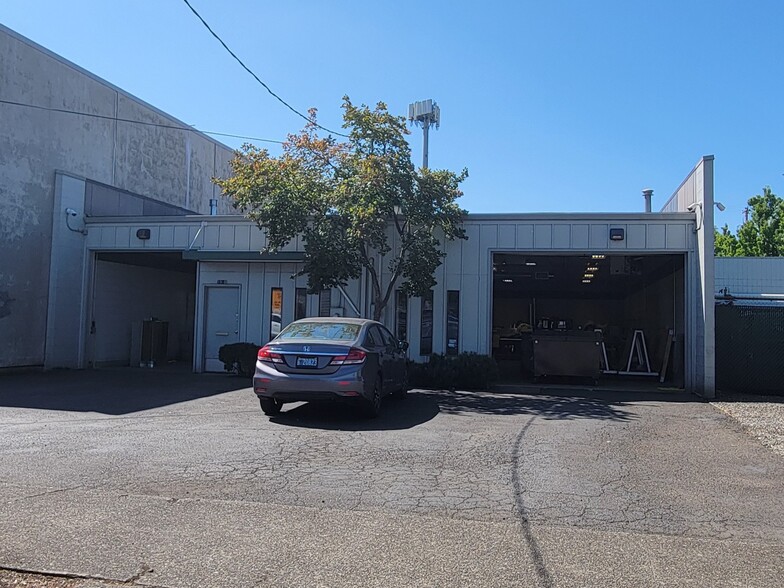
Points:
(720, 206)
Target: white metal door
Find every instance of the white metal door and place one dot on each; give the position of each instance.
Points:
(222, 323)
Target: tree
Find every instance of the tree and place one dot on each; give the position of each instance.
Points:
(725, 243)
(761, 235)
(353, 202)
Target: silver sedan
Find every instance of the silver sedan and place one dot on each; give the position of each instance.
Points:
(335, 359)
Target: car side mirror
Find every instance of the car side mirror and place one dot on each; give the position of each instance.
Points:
(402, 345)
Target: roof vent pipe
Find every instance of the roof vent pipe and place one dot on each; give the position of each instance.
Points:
(213, 206)
(647, 193)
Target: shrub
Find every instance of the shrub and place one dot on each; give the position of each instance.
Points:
(469, 371)
(239, 358)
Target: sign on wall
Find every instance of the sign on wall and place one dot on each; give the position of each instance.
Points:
(276, 314)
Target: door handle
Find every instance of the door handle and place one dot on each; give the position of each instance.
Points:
(221, 334)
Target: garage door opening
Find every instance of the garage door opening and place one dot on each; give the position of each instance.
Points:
(142, 311)
(597, 318)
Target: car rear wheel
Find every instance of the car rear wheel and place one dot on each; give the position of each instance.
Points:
(372, 406)
(270, 406)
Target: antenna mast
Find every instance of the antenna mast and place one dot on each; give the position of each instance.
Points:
(424, 114)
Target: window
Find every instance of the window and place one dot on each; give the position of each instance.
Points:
(372, 339)
(300, 303)
(426, 335)
(320, 330)
(452, 322)
(401, 315)
(325, 302)
(389, 339)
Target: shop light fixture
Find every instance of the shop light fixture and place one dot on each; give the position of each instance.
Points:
(592, 268)
(530, 263)
(586, 281)
(507, 281)
(597, 256)
(588, 275)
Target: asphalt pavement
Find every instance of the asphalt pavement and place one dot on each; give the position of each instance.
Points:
(164, 478)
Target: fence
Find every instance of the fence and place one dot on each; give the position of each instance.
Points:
(750, 348)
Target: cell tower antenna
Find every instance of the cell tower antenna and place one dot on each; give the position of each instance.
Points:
(425, 114)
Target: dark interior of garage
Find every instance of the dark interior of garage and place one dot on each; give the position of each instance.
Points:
(142, 311)
(592, 317)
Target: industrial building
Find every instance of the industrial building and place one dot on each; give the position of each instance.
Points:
(117, 222)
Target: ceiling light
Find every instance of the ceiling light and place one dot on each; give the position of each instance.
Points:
(586, 281)
(588, 275)
(530, 263)
(592, 268)
(507, 281)
(597, 256)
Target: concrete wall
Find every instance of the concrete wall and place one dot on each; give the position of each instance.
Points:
(750, 276)
(170, 165)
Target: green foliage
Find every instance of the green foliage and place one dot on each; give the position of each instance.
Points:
(725, 243)
(762, 235)
(239, 358)
(352, 202)
(467, 371)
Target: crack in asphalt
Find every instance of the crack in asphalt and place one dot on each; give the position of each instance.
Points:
(544, 576)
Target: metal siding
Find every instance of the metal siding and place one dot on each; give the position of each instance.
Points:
(675, 237)
(108, 237)
(166, 237)
(656, 237)
(507, 236)
(581, 237)
(211, 236)
(525, 236)
(181, 240)
(543, 236)
(562, 236)
(635, 236)
(598, 237)
(258, 239)
(470, 250)
(225, 237)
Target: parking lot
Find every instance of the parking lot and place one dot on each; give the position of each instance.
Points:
(165, 478)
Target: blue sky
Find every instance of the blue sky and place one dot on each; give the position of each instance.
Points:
(551, 105)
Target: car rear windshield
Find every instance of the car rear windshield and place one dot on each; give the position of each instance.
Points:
(326, 331)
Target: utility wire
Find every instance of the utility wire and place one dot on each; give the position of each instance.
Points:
(137, 122)
(246, 68)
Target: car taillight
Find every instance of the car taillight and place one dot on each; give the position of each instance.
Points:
(354, 356)
(269, 356)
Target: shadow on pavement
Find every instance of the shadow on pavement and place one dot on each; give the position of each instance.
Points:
(113, 391)
(396, 414)
(422, 405)
(562, 404)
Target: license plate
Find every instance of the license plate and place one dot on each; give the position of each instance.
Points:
(309, 362)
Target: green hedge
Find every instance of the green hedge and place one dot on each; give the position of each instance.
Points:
(239, 358)
(467, 371)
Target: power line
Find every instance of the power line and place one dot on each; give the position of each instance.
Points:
(246, 68)
(137, 122)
